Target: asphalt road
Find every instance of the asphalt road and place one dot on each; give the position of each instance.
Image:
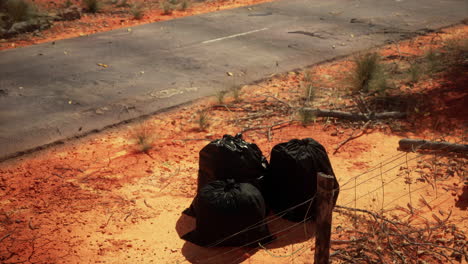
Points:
(54, 91)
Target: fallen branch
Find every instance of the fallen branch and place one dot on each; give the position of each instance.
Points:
(353, 116)
(375, 215)
(411, 145)
(5, 237)
(353, 136)
(341, 242)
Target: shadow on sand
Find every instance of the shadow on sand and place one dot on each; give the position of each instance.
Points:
(286, 233)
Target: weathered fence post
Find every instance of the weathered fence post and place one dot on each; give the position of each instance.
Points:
(323, 211)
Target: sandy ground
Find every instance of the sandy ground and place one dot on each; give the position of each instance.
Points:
(99, 199)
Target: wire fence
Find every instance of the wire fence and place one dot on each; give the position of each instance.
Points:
(375, 172)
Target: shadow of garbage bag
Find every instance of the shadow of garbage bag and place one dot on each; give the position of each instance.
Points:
(230, 157)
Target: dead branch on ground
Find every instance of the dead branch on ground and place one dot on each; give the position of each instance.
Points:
(382, 240)
(354, 116)
(353, 136)
(412, 145)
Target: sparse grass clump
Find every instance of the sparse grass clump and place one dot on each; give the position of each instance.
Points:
(307, 76)
(415, 72)
(457, 51)
(433, 60)
(137, 11)
(305, 117)
(236, 92)
(19, 10)
(203, 120)
(67, 4)
(168, 6)
(92, 6)
(143, 138)
(122, 3)
(220, 96)
(184, 5)
(368, 74)
(308, 88)
(309, 91)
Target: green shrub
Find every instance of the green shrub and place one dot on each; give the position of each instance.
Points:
(236, 92)
(168, 6)
(456, 51)
(307, 76)
(368, 74)
(122, 3)
(20, 10)
(415, 71)
(309, 91)
(220, 96)
(143, 138)
(433, 60)
(366, 69)
(305, 117)
(92, 6)
(184, 5)
(203, 120)
(68, 3)
(137, 11)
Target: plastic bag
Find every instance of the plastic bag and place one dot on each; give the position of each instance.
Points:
(292, 178)
(229, 214)
(230, 158)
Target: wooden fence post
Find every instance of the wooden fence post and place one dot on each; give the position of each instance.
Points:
(323, 213)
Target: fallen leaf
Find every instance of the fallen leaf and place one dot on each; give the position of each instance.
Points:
(229, 73)
(103, 65)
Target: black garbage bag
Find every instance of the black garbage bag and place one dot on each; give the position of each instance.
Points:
(230, 158)
(293, 175)
(229, 214)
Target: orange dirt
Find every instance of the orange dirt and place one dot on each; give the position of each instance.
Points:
(99, 200)
(111, 17)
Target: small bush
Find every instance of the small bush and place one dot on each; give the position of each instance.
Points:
(92, 6)
(220, 96)
(307, 76)
(168, 6)
(137, 11)
(184, 5)
(67, 4)
(20, 10)
(236, 92)
(143, 138)
(415, 71)
(367, 74)
(123, 3)
(457, 51)
(203, 120)
(305, 117)
(433, 60)
(309, 91)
